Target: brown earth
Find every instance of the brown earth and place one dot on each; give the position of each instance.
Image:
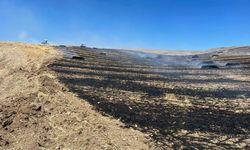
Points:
(38, 112)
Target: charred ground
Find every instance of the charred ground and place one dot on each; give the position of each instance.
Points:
(177, 107)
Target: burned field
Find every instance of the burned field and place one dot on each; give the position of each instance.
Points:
(176, 107)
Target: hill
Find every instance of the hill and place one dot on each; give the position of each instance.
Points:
(69, 97)
(37, 112)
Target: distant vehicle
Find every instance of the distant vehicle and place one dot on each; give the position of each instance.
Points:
(45, 42)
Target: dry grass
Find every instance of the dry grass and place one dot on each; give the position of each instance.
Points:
(37, 112)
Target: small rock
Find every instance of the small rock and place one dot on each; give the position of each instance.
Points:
(39, 108)
(6, 143)
(7, 122)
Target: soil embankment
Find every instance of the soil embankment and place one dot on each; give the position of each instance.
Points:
(37, 112)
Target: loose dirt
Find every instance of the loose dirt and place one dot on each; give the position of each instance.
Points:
(38, 112)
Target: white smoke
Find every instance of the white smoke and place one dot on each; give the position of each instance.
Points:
(67, 52)
(175, 60)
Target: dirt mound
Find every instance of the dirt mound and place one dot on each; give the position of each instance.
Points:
(37, 112)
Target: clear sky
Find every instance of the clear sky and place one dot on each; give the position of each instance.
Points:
(157, 24)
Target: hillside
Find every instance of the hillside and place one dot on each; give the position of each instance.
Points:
(69, 97)
(178, 104)
(37, 112)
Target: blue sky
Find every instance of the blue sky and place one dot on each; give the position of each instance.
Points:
(152, 24)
